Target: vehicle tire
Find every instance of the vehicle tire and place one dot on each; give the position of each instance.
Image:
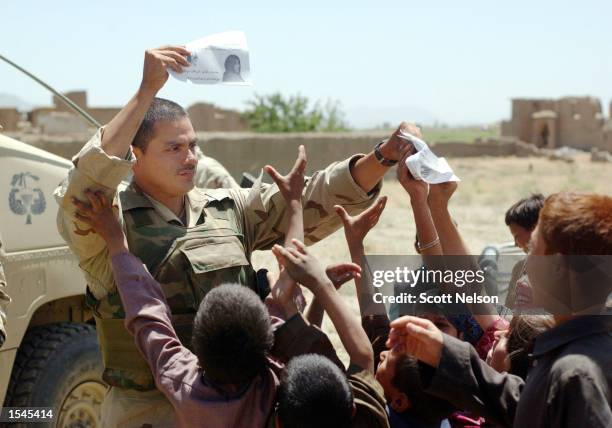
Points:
(59, 366)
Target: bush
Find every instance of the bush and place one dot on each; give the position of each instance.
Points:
(275, 113)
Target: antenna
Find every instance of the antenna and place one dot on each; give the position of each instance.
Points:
(65, 99)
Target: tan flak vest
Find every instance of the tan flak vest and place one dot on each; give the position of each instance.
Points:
(187, 262)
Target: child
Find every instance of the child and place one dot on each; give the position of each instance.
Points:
(305, 401)
(521, 219)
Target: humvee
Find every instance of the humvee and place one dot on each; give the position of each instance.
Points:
(50, 357)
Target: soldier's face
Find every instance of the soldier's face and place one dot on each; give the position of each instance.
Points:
(168, 165)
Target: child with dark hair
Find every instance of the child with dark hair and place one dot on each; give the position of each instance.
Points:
(314, 392)
(324, 404)
(521, 219)
(511, 347)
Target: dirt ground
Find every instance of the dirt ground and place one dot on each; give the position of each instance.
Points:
(488, 187)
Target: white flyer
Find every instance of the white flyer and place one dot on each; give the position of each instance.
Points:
(221, 58)
(425, 165)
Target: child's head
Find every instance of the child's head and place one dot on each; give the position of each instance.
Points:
(511, 348)
(399, 377)
(571, 224)
(232, 335)
(522, 218)
(314, 393)
(398, 374)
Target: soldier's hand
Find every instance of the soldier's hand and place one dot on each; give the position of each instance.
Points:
(156, 63)
(101, 216)
(395, 147)
(292, 184)
(357, 227)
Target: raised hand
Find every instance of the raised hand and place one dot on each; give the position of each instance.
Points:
(340, 273)
(395, 148)
(156, 63)
(285, 298)
(301, 265)
(417, 189)
(418, 337)
(357, 227)
(103, 218)
(440, 194)
(292, 184)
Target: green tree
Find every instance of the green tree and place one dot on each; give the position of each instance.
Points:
(275, 113)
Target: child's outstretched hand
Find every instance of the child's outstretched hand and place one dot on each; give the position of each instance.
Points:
(292, 184)
(101, 216)
(285, 298)
(357, 227)
(301, 265)
(340, 273)
(440, 194)
(417, 189)
(417, 337)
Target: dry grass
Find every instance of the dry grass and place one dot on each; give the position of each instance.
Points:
(489, 186)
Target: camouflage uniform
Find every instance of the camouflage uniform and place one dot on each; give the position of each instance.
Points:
(223, 227)
(212, 175)
(4, 301)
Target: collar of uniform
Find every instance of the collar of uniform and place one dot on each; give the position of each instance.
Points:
(133, 197)
(570, 331)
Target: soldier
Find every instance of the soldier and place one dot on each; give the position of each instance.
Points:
(4, 301)
(190, 239)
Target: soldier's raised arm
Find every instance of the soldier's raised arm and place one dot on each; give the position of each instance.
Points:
(353, 183)
(104, 162)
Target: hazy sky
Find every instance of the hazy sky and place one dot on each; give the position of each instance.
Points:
(458, 62)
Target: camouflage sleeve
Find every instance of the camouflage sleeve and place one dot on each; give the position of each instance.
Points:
(264, 210)
(4, 301)
(212, 175)
(93, 169)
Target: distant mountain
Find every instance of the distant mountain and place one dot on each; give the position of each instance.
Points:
(10, 100)
(372, 117)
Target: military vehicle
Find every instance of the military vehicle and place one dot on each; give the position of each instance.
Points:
(50, 357)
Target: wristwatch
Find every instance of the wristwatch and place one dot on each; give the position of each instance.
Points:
(380, 158)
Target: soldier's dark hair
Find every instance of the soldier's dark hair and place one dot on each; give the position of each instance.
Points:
(160, 109)
(525, 212)
(232, 335)
(427, 408)
(314, 393)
